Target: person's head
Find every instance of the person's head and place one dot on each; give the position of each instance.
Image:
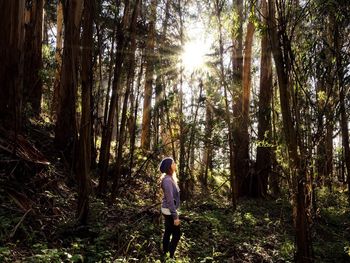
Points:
(167, 166)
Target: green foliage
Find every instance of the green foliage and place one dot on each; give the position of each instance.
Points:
(44, 254)
(265, 142)
(331, 233)
(47, 74)
(258, 231)
(6, 225)
(347, 250)
(287, 248)
(5, 253)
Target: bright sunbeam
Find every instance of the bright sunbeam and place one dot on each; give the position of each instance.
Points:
(193, 56)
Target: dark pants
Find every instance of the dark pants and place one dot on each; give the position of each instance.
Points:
(170, 230)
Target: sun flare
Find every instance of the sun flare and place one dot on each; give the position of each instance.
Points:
(194, 54)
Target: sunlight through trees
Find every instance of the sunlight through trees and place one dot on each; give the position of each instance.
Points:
(250, 98)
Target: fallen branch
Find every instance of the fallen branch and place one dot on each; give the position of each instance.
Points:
(20, 199)
(19, 223)
(21, 147)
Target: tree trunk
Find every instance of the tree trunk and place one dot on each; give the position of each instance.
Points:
(279, 38)
(84, 156)
(45, 27)
(32, 87)
(223, 84)
(157, 107)
(329, 152)
(161, 112)
(107, 135)
(240, 154)
(325, 85)
(160, 131)
(130, 78)
(244, 143)
(11, 66)
(182, 133)
(147, 107)
(189, 182)
(343, 116)
(345, 136)
(274, 179)
(168, 138)
(182, 139)
(208, 143)
(263, 154)
(110, 73)
(58, 59)
(134, 105)
(321, 147)
(66, 127)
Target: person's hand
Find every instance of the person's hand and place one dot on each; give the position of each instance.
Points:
(176, 222)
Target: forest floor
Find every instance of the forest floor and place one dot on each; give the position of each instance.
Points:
(37, 222)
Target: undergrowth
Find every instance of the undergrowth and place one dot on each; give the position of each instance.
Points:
(37, 223)
(258, 231)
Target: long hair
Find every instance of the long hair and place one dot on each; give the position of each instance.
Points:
(174, 177)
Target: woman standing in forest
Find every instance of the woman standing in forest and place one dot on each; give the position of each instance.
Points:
(170, 204)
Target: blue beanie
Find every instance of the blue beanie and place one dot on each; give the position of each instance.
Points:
(165, 165)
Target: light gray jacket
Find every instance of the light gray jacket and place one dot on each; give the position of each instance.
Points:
(171, 198)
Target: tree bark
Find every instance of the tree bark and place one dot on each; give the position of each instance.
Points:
(183, 177)
(189, 183)
(32, 88)
(11, 66)
(66, 126)
(130, 78)
(84, 156)
(279, 39)
(343, 115)
(45, 27)
(110, 73)
(274, 178)
(107, 135)
(161, 134)
(236, 66)
(208, 143)
(157, 107)
(58, 59)
(263, 155)
(325, 86)
(240, 153)
(147, 106)
(134, 105)
(244, 180)
(329, 152)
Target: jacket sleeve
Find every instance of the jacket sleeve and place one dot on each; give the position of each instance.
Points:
(169, 197)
